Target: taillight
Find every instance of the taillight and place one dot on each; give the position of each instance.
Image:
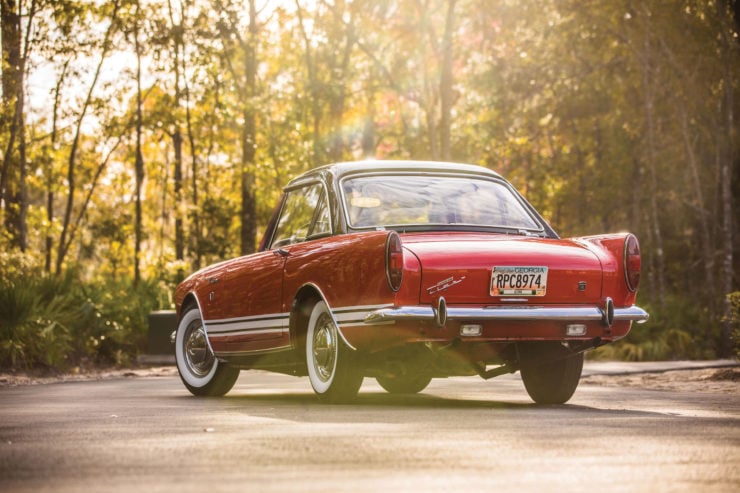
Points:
(632, 262)
(394, 260)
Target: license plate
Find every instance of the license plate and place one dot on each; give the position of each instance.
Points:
(518, 281)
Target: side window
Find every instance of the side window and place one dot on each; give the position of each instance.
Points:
(305, 214)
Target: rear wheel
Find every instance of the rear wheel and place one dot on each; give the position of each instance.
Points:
(404, 384)
(552, 382)
(334, 377)
(201, 372)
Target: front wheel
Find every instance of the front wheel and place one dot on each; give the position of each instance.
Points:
(200, 371)
(334, 377)
(552, 382)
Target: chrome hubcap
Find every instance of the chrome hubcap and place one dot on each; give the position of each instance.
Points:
(197, 353)
(324, 347)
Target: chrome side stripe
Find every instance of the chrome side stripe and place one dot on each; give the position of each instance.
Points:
(261, 324)
(278, 322)
(251, 353)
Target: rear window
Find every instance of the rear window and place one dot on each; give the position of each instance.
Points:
(429, 200)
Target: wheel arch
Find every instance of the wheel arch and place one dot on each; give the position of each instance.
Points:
(300, 311)
(191, 300)
(187, 301)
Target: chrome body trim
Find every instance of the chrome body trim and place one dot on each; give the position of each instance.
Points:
(608, 312)
(519, 313)
(227, 354)
(202, 318)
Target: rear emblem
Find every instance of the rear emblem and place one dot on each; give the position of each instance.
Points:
(444, 284)
(582, 286)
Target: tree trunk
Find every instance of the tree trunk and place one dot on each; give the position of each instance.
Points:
(445, 84)
(368, 129)
(336, 104)
(248, 140)
(654, 223)
(728, 160)
(177, 141)
(314, 90)
(177, 178)
(196, 232)
(707, 248)
(10, 32)
(430, 89)
(50, 178)
(66, 236)
(139, 164)
(12, 174)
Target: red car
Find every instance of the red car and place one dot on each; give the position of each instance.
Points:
(406, 271)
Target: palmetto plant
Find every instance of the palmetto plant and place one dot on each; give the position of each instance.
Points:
(62, 321)
(35, 320)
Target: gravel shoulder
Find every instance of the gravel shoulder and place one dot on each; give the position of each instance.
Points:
(14, 379)
(722, 380)
(706, 380)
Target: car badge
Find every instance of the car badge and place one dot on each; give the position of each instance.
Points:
(444, 284)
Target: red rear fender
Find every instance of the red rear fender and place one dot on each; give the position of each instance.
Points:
(611, 252)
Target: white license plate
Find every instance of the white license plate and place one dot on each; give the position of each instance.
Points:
(518, 281)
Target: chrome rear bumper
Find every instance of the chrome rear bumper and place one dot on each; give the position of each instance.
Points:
(606, 315)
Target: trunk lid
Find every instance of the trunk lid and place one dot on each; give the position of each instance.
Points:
(459, 267)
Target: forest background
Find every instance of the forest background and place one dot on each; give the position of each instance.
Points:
(143, 139)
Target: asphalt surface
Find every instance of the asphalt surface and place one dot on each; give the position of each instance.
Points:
(271, 434)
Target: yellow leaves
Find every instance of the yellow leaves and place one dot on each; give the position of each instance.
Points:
(545, 120)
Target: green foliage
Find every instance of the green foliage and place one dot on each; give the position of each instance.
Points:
(678, 330)
(61, 322)
(36, 315)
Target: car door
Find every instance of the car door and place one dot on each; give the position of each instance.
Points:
(243, 305)
(246, 306)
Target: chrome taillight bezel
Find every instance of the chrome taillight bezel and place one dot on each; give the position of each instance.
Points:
(632, 267)
(394, 261)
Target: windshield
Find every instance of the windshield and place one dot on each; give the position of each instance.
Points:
(426, 200)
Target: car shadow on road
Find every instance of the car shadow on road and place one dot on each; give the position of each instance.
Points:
(386, 400)
(365, 402)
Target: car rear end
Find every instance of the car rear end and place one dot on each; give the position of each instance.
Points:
(475, 278)
(479, 287)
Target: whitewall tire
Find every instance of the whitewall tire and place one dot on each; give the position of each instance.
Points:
(200, 371)
(334, 376)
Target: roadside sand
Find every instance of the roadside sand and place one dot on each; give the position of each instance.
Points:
(40, 378)
(708, 380)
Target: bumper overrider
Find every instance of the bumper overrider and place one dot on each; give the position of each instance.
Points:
(440, 314)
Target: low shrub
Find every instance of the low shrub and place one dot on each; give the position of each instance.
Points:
(679, 329)
(59, 322)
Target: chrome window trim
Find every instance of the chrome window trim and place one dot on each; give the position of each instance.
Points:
(296, 186)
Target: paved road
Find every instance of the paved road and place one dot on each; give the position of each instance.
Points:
(270, 434)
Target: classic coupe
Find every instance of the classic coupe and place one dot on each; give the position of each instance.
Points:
(405, 271)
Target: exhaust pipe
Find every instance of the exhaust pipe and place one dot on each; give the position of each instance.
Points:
(440, 312)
